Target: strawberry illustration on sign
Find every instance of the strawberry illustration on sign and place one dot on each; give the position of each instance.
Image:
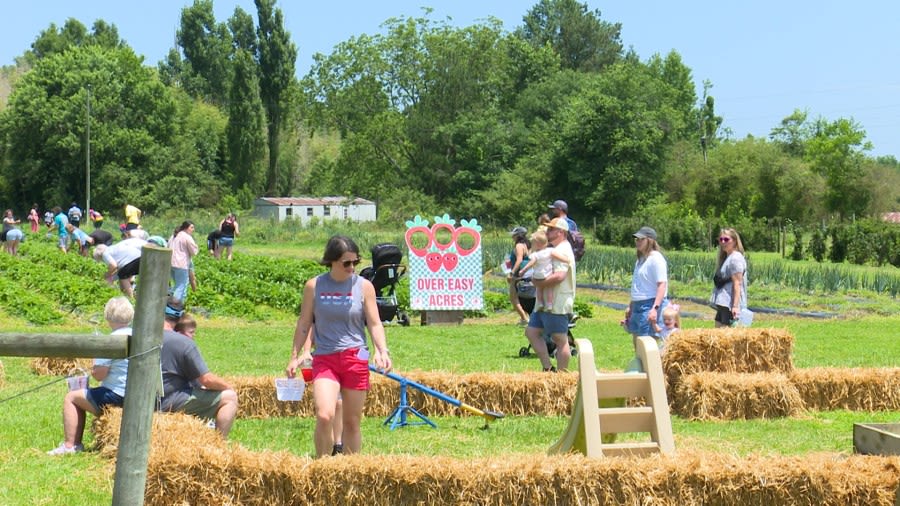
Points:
(434, 260)
(450, 261)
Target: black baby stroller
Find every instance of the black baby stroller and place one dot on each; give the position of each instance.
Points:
(384, 273)
(527, 295)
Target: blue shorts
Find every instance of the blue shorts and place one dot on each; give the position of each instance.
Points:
(226, 241)
(14, 235)
(551, 323)
(639, 324)
(102, 396)
(63, 241)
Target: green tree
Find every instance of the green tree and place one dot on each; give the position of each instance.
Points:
(428, 99)
(612, 141)
(793, 133)
(277, 57)
(836, 152)
(582, 41)
(206, 70)
(146, 147)
(246, 127)
(73, 33)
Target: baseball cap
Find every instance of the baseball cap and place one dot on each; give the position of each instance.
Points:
(646, 232)
(559, 204)
(560, 223)
(518, 231)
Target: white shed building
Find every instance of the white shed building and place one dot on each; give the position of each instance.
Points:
(322, 208)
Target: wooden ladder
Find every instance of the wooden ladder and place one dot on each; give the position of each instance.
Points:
(598, 390)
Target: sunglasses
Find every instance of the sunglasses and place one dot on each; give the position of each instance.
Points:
(724, 239)
(348, 263)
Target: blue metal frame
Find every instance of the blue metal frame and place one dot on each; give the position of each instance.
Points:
(398, 416)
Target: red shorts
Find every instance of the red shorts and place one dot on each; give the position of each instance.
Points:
(345, 367)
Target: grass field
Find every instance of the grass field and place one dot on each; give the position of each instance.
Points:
(31, 423)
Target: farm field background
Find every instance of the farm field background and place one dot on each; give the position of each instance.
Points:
(254, 339)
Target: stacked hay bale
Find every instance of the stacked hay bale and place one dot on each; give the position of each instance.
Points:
(731, 373)
(192, 465)
(875, 389)
(741, 373)
(520, 394)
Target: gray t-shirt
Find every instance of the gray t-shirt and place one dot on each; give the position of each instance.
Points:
(734, 263)
(181, 364)
(340, 321)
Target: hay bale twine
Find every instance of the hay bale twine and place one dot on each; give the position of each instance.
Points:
(735, 396)
(739, 350)
(856, 389)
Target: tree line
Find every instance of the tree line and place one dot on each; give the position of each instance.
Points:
(423, 118)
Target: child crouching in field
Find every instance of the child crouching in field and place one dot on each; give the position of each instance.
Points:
(540, 258)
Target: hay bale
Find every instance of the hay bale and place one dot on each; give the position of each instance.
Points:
(730, 396)
(55, 366)
(858, 389)
(741, 350)
(514, 394)
(189, 464)
(169, 430)
(186, 474)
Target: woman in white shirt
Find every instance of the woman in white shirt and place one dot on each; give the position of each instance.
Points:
(649, 286)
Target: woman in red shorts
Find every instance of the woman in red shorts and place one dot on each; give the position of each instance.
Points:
(342, 305)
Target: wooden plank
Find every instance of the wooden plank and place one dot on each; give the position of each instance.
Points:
(619, 420)
(622, 385)
(63, 345)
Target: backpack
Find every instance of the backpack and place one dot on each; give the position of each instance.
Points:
(577, 241)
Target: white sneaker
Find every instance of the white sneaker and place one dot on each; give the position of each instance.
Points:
(62, 449)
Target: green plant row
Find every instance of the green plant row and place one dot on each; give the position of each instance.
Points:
(23, 303)
(70, 291)
(614, 266)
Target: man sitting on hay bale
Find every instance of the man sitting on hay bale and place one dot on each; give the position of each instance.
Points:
(182, 367)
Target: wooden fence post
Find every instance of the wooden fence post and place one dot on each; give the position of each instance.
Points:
(144, 378)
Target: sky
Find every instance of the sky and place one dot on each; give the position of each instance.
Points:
(764, 58)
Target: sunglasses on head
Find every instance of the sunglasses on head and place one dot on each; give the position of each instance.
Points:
(348, 263)
(724, 239)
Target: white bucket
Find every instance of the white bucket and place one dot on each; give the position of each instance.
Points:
(289, 389)
(77, 382)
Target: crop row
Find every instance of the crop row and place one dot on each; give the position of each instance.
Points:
(614, 266)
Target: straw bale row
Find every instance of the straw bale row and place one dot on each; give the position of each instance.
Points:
(858, 389)
(191, 465)
(731, 396)
(738, 350)
(519, 394)
(55, 366)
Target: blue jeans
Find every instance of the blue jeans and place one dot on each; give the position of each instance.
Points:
(639, 324)
(181, 278)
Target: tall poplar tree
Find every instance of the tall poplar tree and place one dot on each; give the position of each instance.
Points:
(277, 58)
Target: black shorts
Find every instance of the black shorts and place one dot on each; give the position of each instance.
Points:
(129, 269)
(724, 316)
